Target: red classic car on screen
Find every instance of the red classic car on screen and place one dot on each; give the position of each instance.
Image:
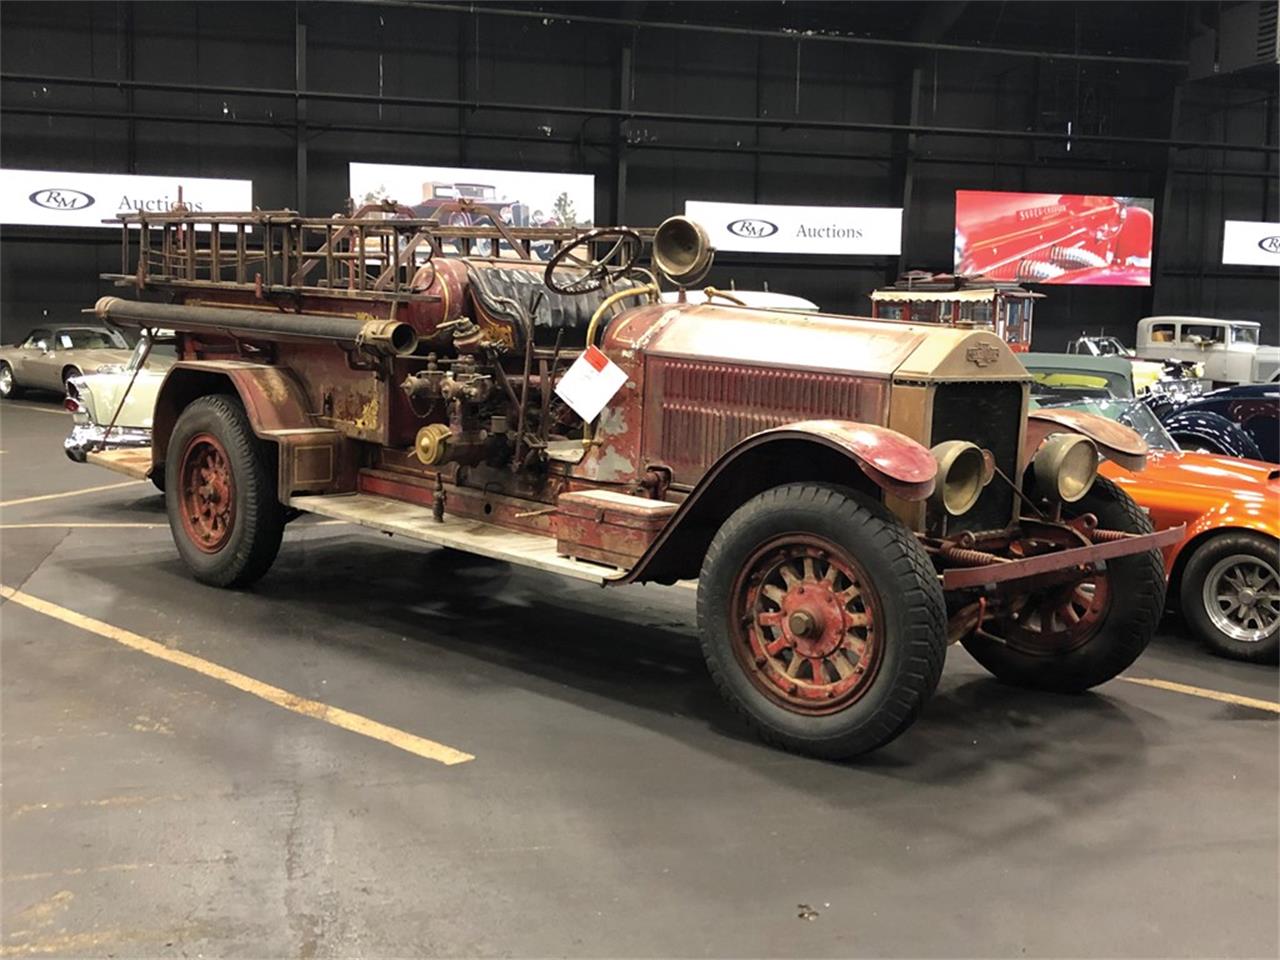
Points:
(1054, 238)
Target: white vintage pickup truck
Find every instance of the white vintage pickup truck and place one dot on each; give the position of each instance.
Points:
(1229, 349)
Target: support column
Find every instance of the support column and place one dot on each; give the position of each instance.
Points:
(300, 114)
(621, 153)
(1164, 205)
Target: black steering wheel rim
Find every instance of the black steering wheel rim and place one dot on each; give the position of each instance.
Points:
(599, 272)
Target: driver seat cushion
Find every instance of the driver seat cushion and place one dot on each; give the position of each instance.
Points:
(491, 283)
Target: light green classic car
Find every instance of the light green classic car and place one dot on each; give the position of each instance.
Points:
(113, 409)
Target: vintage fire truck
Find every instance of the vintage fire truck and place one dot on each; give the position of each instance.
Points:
(850, 495)
(1001, 306)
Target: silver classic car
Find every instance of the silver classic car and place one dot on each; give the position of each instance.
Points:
(50, 356)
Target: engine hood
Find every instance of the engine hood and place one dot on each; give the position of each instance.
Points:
(823, 343)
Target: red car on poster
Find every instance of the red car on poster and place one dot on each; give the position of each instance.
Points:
(1054, 238)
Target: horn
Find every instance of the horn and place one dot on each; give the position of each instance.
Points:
(682, 251)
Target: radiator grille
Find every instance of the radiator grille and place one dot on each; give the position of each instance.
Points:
(990, 415)
(696, 410)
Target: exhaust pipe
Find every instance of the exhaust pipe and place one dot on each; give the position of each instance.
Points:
(389, 338)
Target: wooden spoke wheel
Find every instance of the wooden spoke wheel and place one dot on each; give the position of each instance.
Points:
(806, 619)
(208, 493)
(822, 620)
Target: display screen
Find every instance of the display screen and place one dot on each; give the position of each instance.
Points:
(1054, 237)
(466, 196)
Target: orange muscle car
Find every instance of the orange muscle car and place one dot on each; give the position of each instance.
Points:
(1225, 573)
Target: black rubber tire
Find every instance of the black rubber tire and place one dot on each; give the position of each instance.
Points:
(258, 526)
(157, 477)
(1137, 586)
(1191, 588)
(67, 373)
(909, 593)
(15, 391)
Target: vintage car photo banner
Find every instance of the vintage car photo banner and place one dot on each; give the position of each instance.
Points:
(1251, 242)
(48, 198)
(777, 228)
(517, 197)
(1054, 237)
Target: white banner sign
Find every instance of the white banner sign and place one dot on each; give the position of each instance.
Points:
(518, 197)
(774, 228)
(1251, 242)
(48, 198)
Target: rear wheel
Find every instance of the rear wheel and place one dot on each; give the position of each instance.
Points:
(9, 389)
(821, 620)
(1231, 595)
(67, 374)
(1074, 636)
(220, 494)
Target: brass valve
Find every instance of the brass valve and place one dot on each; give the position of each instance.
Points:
(432, 443)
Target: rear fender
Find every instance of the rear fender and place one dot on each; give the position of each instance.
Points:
(1115, 441)
(872, 459)
(311, 458)
(1215, 430)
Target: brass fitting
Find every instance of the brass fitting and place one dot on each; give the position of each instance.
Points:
(432, 443)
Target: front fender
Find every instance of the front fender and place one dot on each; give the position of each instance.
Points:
(1215, 431)
(867, 457)
(891, 460)
(1115, 441)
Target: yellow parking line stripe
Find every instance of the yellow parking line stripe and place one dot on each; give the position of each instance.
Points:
(354, 722)
(69, 493)
(83, 526)
(1269, 706)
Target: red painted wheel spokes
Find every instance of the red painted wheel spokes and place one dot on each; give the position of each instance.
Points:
(207, 493)
(1059, 619)
(808, 625)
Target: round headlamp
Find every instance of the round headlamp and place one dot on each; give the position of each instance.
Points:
(1065, 466)
(962, 473)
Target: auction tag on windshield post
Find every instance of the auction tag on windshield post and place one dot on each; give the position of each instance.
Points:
(590, 383)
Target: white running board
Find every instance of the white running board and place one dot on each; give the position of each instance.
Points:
(473, 536)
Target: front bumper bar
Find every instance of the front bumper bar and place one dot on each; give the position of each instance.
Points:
(86, 438)
(960, 578)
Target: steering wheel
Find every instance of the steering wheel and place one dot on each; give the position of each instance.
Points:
(600, 271)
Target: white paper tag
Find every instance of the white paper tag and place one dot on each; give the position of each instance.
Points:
(590, 383)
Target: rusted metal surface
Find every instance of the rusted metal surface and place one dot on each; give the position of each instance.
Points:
(694, 411)
(272, 399)
(381, 337)
(607, 526)
(968, 577)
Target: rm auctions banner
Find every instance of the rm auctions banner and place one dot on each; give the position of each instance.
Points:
(775, 228)
(1251, 242)
(48, 198)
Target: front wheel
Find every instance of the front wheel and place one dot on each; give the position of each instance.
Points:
(9, 389)
(1073, 636)
(220, 494)
(822, 620)
(1231, 595)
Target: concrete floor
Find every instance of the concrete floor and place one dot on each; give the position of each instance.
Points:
(614, 806)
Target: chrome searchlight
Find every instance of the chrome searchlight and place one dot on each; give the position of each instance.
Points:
(962, 473)
(1065, 466)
